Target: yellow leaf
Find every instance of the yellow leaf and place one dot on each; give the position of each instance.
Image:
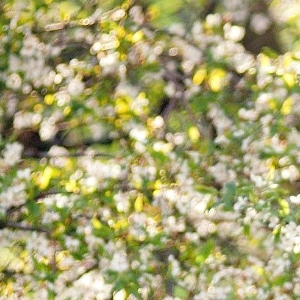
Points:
(285, 208)
(67, 9)
(120, 31)
(199, 76)
(139, 203)
(142, 95)
(194, 134)
(121, 224)
(276, 230)
(153, 12)
(67, 110)
(289, 79)
(216, 80)
(45, 178)
(272, 104)
(96, 223)
(271, 173)
(157, 185)
(59, 230)
(287, 106)
(49, 99)
(259, 270)
(264, 60)
(137, 37)
(122, 106)
(287, 60)
(72, 186)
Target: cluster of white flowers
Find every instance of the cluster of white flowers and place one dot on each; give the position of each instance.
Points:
(11, 154)
(86, 286)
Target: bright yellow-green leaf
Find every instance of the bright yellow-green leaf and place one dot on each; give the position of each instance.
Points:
(271, 173)
(67, 110)
(59, 230)
(96, 223)
(49, 99)
(272, 104)
(199, 76)
(289, 79)
(71, 186)
(153, 12)
(259, 270)
(137, 37)
(216, 79)
(122, 106)
(67, 9)
(157, 185)
(194, 134)
(120, 224)
(287, 59)
(45, 178)
(287, 106)
(180, 293)
(264, 60)
(120, 31)
(285, 207)
(139, 203)
(163, 12)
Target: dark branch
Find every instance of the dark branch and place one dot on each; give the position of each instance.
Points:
(24, 227)
(76, 154)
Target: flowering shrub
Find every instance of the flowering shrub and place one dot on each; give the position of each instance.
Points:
(143, 157)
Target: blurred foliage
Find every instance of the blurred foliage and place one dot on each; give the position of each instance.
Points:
(146, 152)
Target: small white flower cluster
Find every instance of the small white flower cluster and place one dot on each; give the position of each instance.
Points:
(89, 285)
(11, 154)
(290, 238)
(12, 194)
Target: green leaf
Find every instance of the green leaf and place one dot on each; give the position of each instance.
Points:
(205, 251)
(34, 210)
(229, 195)
(246, 229)
(165, 12)
(180, 292)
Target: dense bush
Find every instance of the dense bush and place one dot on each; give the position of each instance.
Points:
(145, 154)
